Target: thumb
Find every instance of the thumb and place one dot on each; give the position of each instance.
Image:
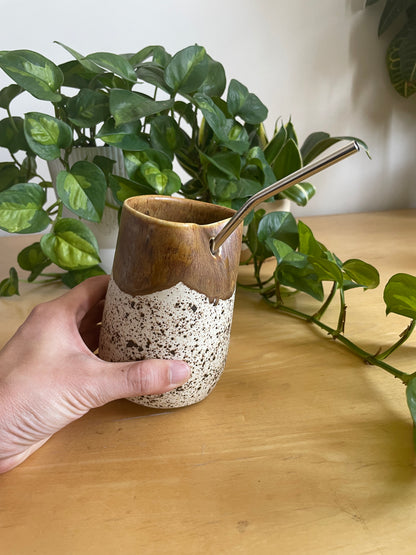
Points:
(147, 377)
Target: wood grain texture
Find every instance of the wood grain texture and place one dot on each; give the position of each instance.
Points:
(300, 449)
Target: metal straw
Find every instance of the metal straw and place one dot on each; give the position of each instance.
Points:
(281, 185)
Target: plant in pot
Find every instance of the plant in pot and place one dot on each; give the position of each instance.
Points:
(164, 124)
(401, 51)
(158, 110)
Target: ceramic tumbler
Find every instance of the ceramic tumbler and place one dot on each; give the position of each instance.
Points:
(169, 297)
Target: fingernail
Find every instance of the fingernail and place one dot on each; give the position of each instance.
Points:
(179, 372)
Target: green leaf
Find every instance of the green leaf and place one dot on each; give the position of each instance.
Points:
(256, 156)
(298, 272)
(189, 159)
(273, 148)
(90, 66)
(164, 182)
(287, 161)
(9, 175)
(123, 188)
(82, 190)
(278, 248)
(10, 286)
(75, 277)
(88, 108)
(133, 161)
(113, 63)
(257, 247)
(144, 54)
(46, 135)
(361, 273)
(212, 113)
(392, 9)
(314, 144)
(215, 81)
(408, 57)
(7, 94)
(28, 170)
(156, 52)
(125, 137)
(187, 70)
(127, 106)
(33, 259)
(400, 295)
(319, 141)
(235, 137)
(401, 62)
(300, 193)
(34, 73)
(226, 188)
(105, 164)
(228, 163)
(185, 111)
(291, 133)
(326, 270)
(77, 76)
(12, 135)
(241, 102)
(166, 135)
(71, 245)
(153, 74)
(307, 242)
(21, 209)
(279, 225)
(228, 132)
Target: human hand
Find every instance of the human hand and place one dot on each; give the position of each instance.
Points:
(50, 377)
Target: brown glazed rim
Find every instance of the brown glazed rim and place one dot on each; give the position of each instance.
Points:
(214, 208)
(154, 253)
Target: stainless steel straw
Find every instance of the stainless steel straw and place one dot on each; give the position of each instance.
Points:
(281, 185)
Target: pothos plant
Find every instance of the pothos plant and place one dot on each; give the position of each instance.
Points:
(303, 264)
(160, 110)
(401, 51)
(167, 114)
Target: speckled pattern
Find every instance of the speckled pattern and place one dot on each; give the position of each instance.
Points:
(177, 323)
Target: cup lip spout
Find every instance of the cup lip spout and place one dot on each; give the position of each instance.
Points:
(207, 213)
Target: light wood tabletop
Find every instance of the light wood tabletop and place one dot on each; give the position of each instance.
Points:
(300, 449)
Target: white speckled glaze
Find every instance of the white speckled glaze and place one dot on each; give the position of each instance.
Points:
(176, 323)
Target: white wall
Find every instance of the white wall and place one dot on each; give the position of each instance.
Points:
(319, 62)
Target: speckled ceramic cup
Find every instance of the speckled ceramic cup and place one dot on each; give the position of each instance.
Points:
(169, 296)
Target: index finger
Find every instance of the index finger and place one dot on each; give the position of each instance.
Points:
(86, 295)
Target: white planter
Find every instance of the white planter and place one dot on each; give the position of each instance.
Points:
(105, 231)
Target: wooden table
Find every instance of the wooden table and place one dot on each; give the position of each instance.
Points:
(300, 449)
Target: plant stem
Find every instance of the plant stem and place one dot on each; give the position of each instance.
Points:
(60, 209)
(404, 336)
(53, 206)
(15, 160)
(109, 205)
(342, 312)
(277, 290)
(48, 281)
(11, 119)
(257, 267)
(255, 287)
(337, 335)
(318, 315)
(65, 164)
